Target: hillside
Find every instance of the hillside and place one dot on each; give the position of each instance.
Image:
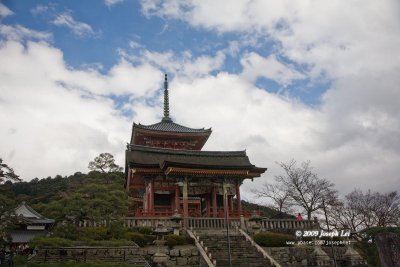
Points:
(83, 196)
(78, 196)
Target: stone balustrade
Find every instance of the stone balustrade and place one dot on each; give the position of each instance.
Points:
(288, 224)
(212, 223)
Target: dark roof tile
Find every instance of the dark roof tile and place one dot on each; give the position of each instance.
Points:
(151, 156)
(169, 126)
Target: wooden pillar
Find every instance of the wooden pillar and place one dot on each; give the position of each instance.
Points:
(146, 199)
(230, 203)
(225, 196)
(151, 198)
(239, 204)
(177, 202)
(185, 202)
(208, 204)
(214, 202)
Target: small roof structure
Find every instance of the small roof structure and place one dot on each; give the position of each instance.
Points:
(29, 215)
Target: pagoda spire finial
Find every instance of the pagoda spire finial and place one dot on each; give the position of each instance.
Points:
(166, 117)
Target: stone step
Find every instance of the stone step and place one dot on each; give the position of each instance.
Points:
(243, 254)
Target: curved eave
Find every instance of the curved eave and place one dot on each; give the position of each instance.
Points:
(172, 125)
(177, 168)
(176, 131)
(206, 172)
(170, 164)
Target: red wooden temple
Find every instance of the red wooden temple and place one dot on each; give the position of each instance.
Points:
(167, 172)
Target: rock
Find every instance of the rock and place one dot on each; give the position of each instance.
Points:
(174, 252)
(160, 257)
(195, 252)
(181, 261)
(185, 252)
(193, 260)
(152, 250)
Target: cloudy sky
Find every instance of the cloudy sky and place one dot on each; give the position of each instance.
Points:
(304, 80)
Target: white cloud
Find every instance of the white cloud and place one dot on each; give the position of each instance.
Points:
(39, 9)
(184, 64)
(55, 119)
(255, 66)
(5, 11)
(63, 116)
(355, 45)
(18, 32)
(112, 2)
(329, 37)
(79, 28)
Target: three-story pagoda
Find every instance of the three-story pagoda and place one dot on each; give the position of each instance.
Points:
(167, 172)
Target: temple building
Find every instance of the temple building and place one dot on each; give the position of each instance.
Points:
(167, 172)
(29, 223)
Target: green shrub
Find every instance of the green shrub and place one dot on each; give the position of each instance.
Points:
(109, 243)
(20, 260)
(95, 233)
(117, 229)
(67, 231)
(82, 264)
(143, 230)
(138, 238)
(268, 239)
(175, 240)
(54, 242)
(42, 241)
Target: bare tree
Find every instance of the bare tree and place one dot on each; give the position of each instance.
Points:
(7, 173)
(387, 208)
(305, 188)
(278, 194)
(364, 210)
(346, 215)
(104, 163)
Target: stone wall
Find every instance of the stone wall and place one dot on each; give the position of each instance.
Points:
(302, 256)
(186, 255)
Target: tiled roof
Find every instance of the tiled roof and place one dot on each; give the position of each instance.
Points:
(170, 126)
(25, 212)
(157, 156)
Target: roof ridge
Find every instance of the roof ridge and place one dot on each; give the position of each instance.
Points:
(171, 122)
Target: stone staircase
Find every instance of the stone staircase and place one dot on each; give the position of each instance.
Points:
(243, 254)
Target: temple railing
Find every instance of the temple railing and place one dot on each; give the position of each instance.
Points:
(212, 223)
(287, 224)
(148, 222)
(167, 212)
(215, 223)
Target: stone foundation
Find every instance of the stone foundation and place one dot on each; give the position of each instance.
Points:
(303, 256)
(186, 255)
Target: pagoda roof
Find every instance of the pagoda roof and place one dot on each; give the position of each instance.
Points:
(170, 126)
(145, 156)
